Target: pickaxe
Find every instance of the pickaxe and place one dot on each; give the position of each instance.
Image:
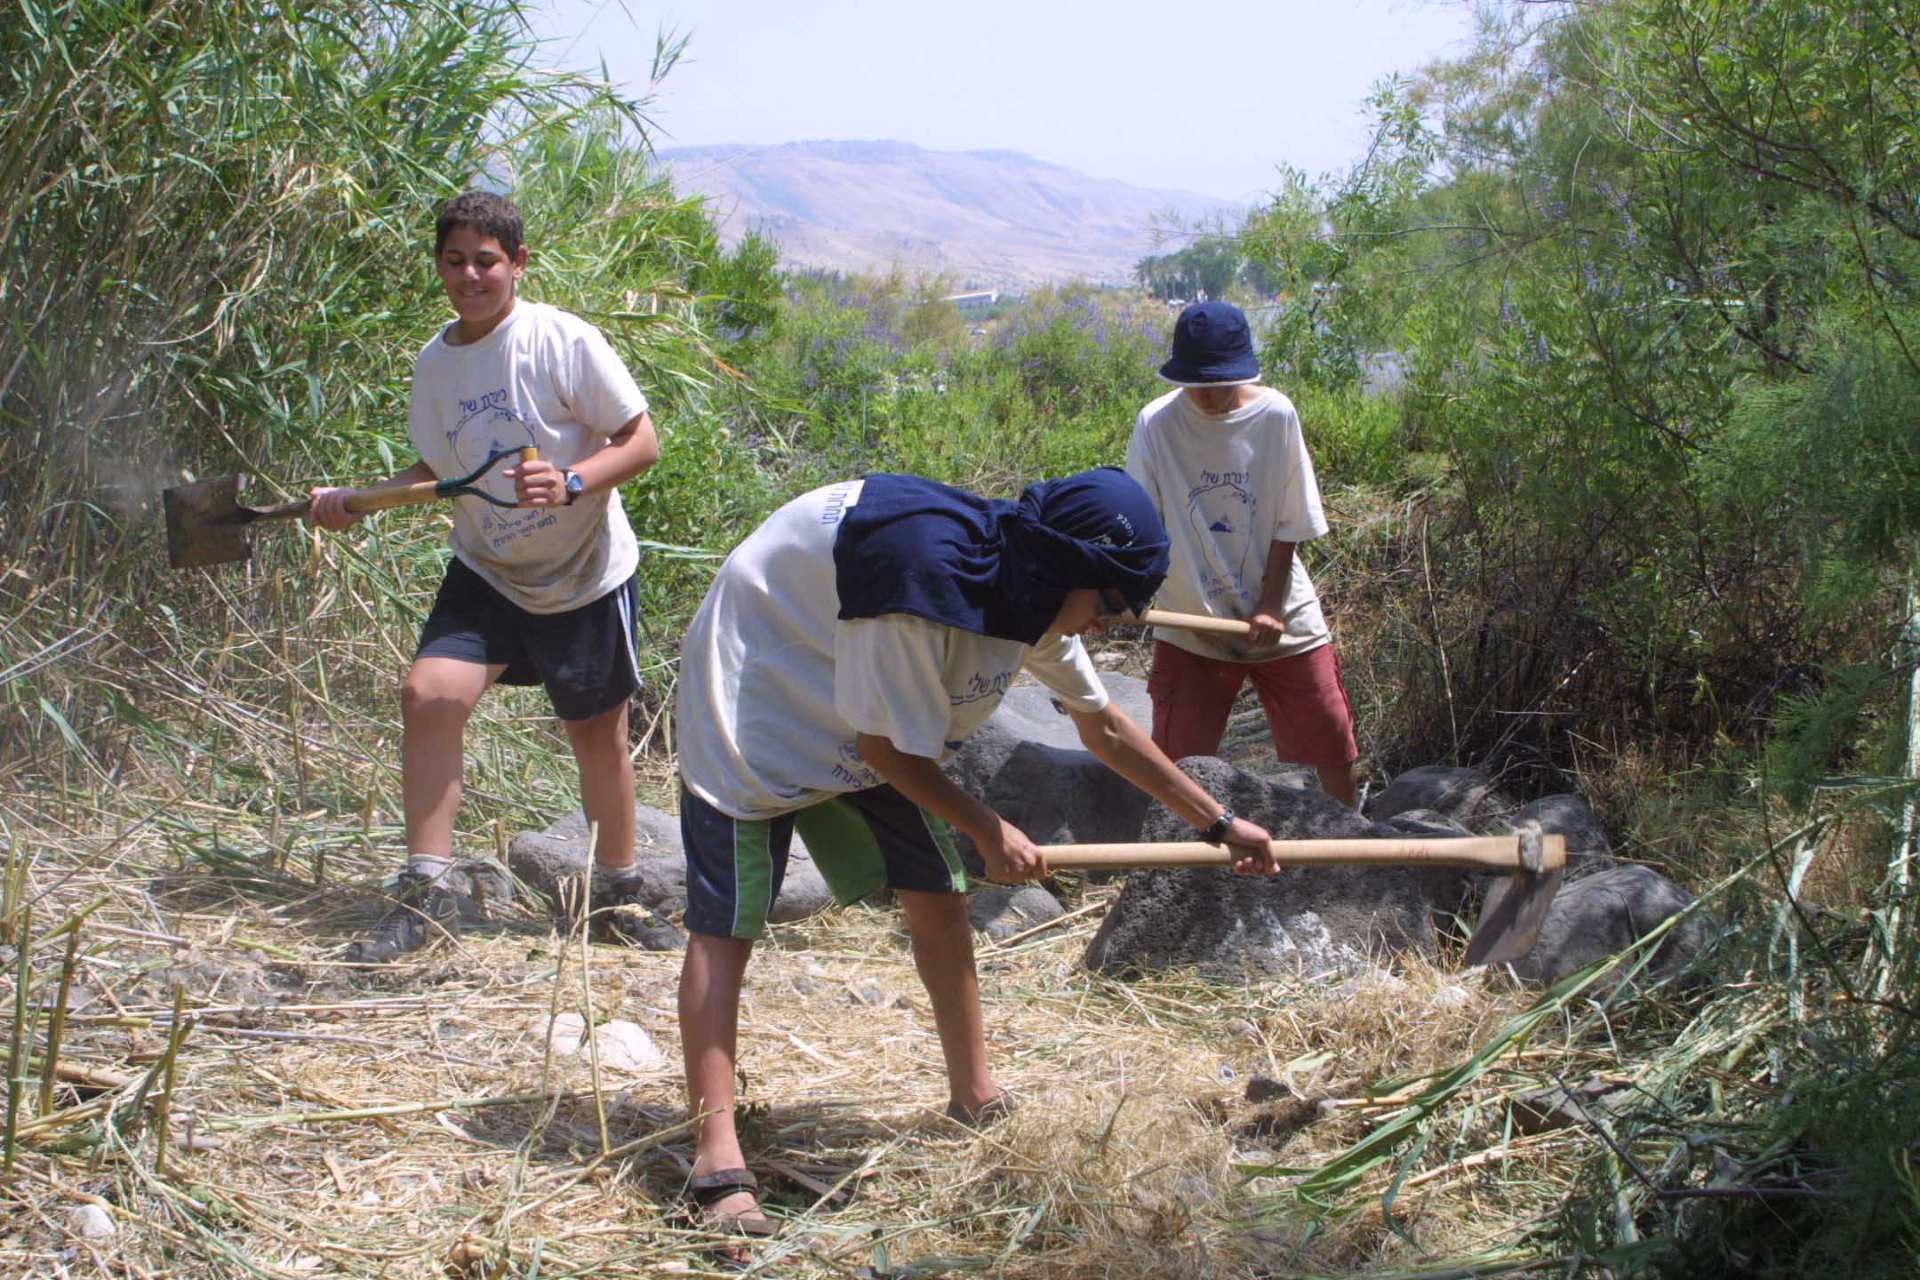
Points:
(1509, 921)
(1515, 908)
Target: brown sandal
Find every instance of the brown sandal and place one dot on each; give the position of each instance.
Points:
(709, 1189)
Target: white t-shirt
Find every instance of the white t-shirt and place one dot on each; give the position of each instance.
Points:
(774, 687)
(1229, 487)
(549, 379)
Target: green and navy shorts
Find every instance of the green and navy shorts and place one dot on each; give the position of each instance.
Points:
(861, 841)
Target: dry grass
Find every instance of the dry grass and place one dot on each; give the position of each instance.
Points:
(324, 1119)
(327, 1120)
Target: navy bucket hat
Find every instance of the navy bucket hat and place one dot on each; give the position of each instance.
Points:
(1212, 347)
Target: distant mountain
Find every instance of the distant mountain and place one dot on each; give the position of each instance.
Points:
(986, 218)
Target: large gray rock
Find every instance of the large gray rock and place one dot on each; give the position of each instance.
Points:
(1028, 713)
(1062, 797)
(552, 861)
(1467, 796)
(1425, 822)
(1000, 910)
(1312, 920)
(1027, 763)
(1594, 917)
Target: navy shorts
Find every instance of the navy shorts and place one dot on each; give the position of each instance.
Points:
(861, 841)
(585, 657)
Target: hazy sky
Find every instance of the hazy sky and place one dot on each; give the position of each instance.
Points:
(1208, 97)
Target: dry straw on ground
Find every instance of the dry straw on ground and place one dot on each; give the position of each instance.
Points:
(313, 1118)
(318, 1119)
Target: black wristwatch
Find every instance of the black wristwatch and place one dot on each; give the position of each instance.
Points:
(1217, 832)
(575, 486)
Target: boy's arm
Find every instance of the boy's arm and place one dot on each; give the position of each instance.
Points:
(1300, 518)
(1140, 467)
(1112, 737)
(627, 452)
(1268, 623)
(327, 507)
(1010, 856)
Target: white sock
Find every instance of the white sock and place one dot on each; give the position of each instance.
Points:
(429, 865)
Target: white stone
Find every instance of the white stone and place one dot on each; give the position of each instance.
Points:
(567, 1032)
(91, 1222)
(626, 1046)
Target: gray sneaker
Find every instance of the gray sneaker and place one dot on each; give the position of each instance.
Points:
(620, 914)
(424, 908)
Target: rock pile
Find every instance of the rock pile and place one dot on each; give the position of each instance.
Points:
(1027, 762)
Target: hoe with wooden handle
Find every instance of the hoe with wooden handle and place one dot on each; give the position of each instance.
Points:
(207, 523)
(1515, 908)
(1509, 922)
(1187, 622)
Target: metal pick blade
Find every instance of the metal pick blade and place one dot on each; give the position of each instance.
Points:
(1510, 922)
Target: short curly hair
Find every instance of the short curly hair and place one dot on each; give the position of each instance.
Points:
(486, 213)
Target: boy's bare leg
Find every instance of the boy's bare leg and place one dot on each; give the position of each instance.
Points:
(943, 953)
(606, 783)
(1337, 781)
(710, 979)
(436, 700)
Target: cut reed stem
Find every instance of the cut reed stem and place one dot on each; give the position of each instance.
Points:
(58, 1022)
(163, 1106)
(586, 993)
(17, 1044)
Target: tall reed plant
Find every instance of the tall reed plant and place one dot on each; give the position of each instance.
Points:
(215, 241)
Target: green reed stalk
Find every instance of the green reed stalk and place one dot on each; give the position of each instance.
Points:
(17, 1045)
(57, 1024)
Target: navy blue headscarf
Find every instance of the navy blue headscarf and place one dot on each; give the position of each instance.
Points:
(996, 568)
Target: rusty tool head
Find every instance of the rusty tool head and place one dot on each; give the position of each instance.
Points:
(207, 522)
(1517, 904)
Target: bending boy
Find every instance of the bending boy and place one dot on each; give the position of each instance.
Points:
(1227, 465)
(540, 594)
(845, 649)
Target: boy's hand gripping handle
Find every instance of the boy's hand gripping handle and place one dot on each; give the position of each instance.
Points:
(362, 501)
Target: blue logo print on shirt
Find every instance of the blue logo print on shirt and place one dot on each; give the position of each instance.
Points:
(1224, 503)
(486, 425)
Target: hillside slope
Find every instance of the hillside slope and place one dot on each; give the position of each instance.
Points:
(986, 218)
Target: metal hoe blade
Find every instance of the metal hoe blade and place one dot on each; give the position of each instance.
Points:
(1516, 908)
(206, 523)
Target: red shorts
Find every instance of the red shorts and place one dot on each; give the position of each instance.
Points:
(1306, 705)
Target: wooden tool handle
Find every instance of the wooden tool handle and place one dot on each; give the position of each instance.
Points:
(1194, 622)
(1491, 853)
(362, 501)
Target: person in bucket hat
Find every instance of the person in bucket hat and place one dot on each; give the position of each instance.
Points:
(1226, 463)
(1212, 347)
